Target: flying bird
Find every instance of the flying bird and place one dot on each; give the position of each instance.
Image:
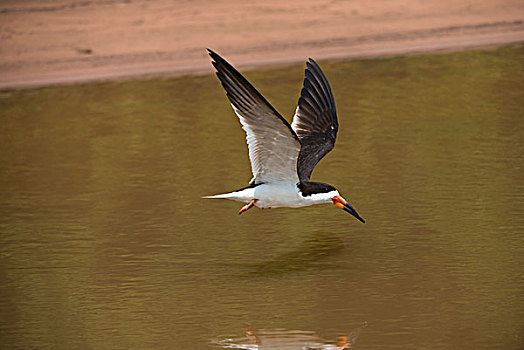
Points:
(283, 156)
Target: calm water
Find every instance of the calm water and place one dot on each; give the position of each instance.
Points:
(106, 244)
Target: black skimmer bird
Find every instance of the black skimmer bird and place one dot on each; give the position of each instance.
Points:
(283, 156)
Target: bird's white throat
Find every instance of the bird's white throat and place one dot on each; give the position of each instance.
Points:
(317, 198)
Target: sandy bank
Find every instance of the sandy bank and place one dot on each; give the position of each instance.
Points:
(57, 41)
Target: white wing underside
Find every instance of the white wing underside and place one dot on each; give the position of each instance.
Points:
(273, 145)
(273, 151)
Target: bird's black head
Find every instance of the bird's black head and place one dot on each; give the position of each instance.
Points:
(312, 188)
(325, 193)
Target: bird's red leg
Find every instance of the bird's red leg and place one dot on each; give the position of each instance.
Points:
(247, 206)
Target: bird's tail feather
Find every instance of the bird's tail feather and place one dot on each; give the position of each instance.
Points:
(244, 195)
(220, 196)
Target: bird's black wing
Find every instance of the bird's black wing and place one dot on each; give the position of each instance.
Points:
(315, 121)
(272, 143)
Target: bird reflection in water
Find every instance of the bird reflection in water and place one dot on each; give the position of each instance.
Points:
(282, 339)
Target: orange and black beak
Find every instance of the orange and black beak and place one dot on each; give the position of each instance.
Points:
(343, 204)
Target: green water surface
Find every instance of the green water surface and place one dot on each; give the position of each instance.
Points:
(106, 244)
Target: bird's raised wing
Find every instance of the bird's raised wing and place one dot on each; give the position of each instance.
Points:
(315, 121)
(273, 145)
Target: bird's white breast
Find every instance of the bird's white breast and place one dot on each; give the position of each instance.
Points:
(287, 195)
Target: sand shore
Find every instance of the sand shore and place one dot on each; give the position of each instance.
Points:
(50, 42)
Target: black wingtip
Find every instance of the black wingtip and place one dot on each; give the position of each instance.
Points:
(313, 65)
(212, 53)
(311, 62)
(217, 59)
(219, 62)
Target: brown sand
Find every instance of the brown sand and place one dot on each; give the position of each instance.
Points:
(64, 41)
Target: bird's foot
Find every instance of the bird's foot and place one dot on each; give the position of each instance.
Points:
(247, 206)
